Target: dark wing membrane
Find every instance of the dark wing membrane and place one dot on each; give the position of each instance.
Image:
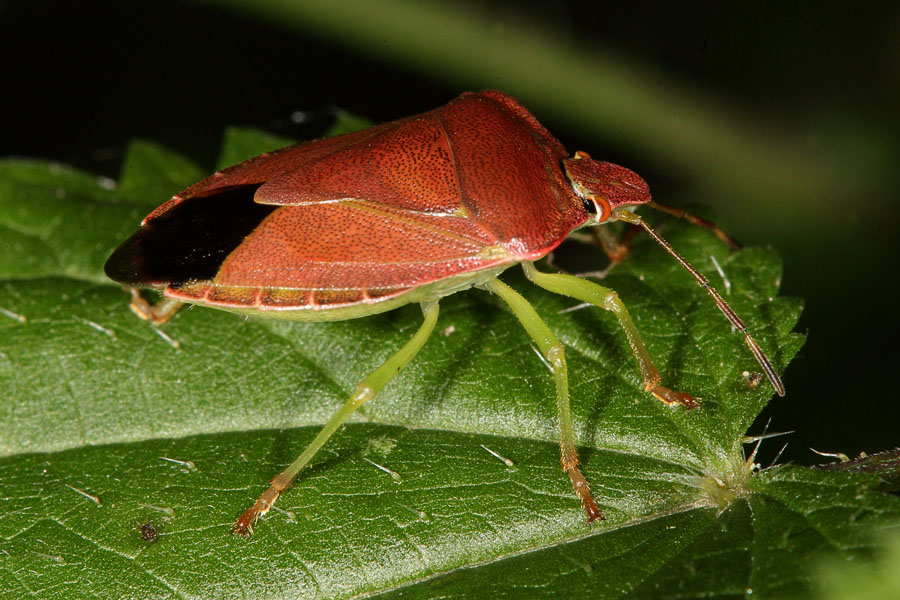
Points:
(188, 241)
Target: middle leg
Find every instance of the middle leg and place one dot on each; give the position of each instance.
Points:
(554, 352)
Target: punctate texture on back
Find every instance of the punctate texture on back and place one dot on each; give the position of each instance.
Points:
(363, 217)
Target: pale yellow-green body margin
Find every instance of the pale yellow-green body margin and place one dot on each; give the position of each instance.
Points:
(424, 293)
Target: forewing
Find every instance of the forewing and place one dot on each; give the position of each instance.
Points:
(408, 165)
(405, 164)
(269, 166)
(336, 254)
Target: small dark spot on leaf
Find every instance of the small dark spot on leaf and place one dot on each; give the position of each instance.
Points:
(148, 532)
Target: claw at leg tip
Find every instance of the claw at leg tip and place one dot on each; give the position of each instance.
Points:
(673, 398)
(594, 514)
(243, 527)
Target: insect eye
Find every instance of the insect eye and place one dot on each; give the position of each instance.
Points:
(597, 206)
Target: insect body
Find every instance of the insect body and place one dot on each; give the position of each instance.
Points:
(407, 211)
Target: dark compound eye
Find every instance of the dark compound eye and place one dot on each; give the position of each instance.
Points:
(589, 206)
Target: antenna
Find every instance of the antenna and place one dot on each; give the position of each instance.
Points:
(633, 219)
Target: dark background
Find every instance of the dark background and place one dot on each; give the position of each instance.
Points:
(784, 120)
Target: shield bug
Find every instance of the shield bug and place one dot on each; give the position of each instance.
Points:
(435, 204)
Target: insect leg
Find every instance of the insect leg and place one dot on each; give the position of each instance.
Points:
(703, 282)
(365, 391)
(157, 313)
(588, 291)
(615, 249)
(554, 352)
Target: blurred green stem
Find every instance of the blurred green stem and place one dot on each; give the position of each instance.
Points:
(565, 78)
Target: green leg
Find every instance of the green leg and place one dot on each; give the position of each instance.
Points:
(588, 291)
(554, 352)
(703, 282)
(365, 391)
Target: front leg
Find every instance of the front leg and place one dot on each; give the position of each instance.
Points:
(605, 298)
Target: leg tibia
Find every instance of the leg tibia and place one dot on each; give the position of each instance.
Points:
(365, 391)
(605, 298)
(554, 352)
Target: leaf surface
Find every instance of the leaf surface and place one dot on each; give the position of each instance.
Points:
(113, 424)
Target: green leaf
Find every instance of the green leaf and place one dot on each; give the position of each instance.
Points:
(878, 578)
(151, 174)
(241, 143)
(113, 424)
